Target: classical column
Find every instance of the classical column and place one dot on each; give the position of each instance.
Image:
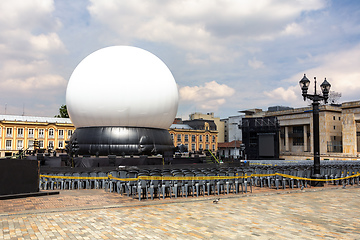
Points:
(287, 139)
(349, 132)
(305, 139)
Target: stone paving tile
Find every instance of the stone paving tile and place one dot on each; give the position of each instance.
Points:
(320, 213)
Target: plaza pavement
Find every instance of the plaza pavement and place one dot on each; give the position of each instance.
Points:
(313, 213)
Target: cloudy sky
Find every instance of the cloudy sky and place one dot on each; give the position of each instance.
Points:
(226, 55)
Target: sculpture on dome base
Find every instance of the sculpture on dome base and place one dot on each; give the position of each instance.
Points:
(121, 100)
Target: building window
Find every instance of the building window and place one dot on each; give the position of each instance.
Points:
(333, 117)
(187, 147)
(186, 138)
(213, 138)
(51, 145)
(172, 136)
(61, 144)
(213, 147)
(207, 138)
(298, 141)
(298, 129)
(51, 133)
(334, 127)
(193, 138)
(339, 118)
(200, 138)
(8, 132)
(19, 144)
(193, 148)
(8, 144)
(41, 144)
(70, 132)
(41, 133)
(31, 144)
(178, 138)
(61, 134)
(206, 146)
(20, 132)
(30, 133)
(200, 146)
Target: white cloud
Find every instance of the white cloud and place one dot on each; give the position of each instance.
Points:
(201, 27)
(340, 68)
(28, 43)
(209, 96)
(34, 84)
(46, 43)
(248, 45)
(29, 15)
(287, 95)
(255, 64)
(294, 29)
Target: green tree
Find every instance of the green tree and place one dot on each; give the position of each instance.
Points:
(63, 112)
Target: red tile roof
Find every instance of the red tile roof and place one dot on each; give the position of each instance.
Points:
(229, 144)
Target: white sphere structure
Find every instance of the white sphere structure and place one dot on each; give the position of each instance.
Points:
(122, 86)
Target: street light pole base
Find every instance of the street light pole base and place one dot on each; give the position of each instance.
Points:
(317, 183)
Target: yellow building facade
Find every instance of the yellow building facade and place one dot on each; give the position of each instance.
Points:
(19, 133)
(220, 125)
(195, 139)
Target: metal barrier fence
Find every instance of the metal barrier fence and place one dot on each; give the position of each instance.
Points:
(205, 181)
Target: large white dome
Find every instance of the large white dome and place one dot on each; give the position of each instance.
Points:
(122, 86)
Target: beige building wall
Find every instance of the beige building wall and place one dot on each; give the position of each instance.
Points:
(292, 122)
(210, 116)
(339, 126)
(350, 125)
(330, 129)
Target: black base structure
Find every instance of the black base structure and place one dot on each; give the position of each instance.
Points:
(120, 141)
(19, 176)
(317, 183)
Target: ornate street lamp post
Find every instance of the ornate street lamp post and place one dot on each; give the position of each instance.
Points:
(316, 98)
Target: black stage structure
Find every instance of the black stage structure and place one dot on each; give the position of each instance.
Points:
(261, 137)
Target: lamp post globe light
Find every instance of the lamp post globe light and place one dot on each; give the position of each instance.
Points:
(315, 98)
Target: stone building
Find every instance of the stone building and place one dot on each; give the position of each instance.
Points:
(339, 132)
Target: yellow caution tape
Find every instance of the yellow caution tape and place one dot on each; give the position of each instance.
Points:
(194, 178)
(72, 177)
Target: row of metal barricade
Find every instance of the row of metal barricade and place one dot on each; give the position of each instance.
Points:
(155, 183)
(282, 174)
(183, 182)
